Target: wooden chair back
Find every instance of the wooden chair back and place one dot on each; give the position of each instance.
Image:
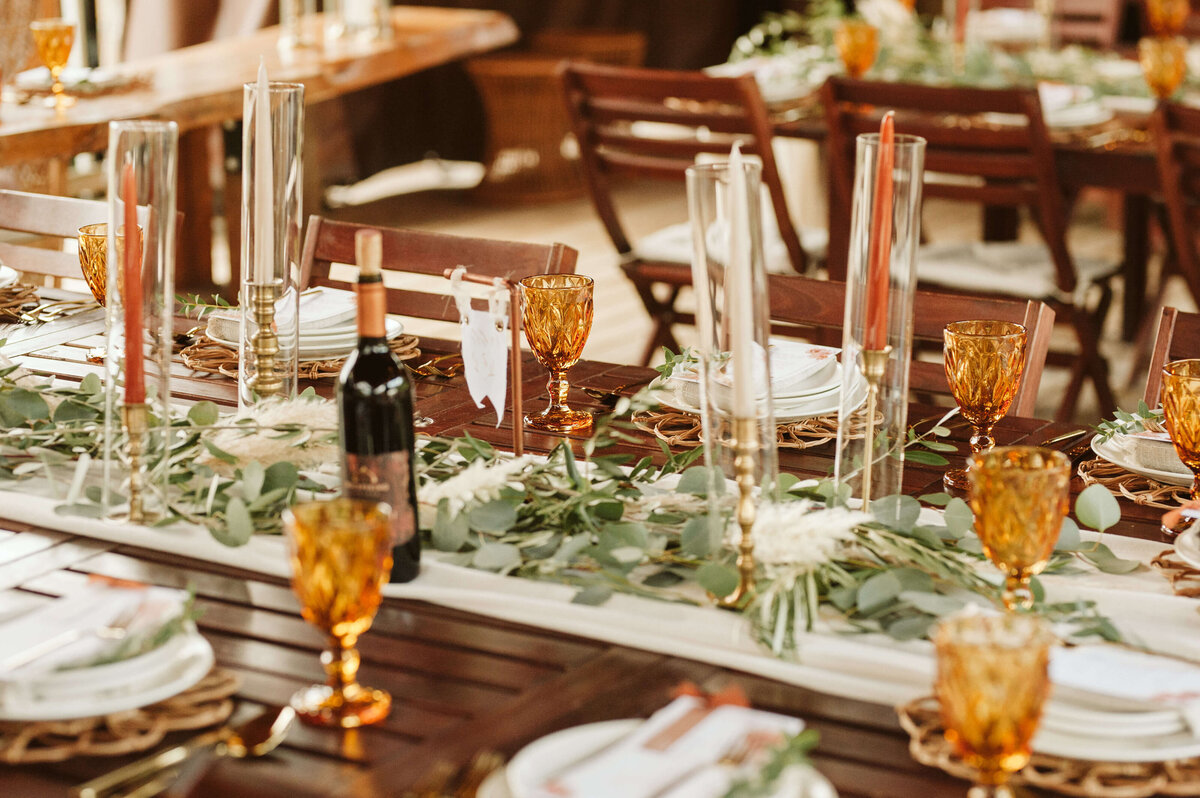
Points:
(1178, 338)
(706, 114)
(1002, 161)
(802, 306)
(417, 252)
(1095, 23)
(40, 223)
(596, 46)
(1176, 131)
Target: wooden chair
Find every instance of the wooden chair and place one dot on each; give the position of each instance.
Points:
(803, 307)
(609, 108)
(1010, 164)
(1095, 23)
(39, 223)
(1176, 131)
(1178, 338)
(417, 252)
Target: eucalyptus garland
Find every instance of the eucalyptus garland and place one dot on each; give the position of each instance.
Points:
(602, 524)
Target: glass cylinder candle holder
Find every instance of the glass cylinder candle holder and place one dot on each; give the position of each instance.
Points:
(349, 22)
(270, 262)
(295, 24)
(881, 279)
(139, 307)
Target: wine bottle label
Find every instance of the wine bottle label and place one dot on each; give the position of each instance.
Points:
(383, 478)
(371, 309)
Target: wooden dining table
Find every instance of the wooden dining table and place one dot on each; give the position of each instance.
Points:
(199, 87)
(462, 683)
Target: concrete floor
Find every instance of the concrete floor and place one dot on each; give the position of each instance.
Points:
(621, 326)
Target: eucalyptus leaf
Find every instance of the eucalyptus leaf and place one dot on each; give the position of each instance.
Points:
(719, 579)
(627, 555)
(914, 579)
(897, 512)
(932, 603)
(593, 595)
(218, 452)
(694, 481)
(700, 536)
(1103, 558)
(252, 475)
(1068, 536)
(1097, 508)
(912, 627)
(239, 526)
(923, 457)
(878, 591)
(936, 499)
(91, 384)
(85, 510)
(449, 532)
(663, 578)
(281, 475)
(608, 509)
(204, 414)
(958, 517)
(496, 557)
(495, 516)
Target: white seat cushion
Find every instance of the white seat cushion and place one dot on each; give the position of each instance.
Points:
(1009, 267)
(673, 244)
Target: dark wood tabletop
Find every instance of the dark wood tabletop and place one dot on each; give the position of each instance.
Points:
(461, 683)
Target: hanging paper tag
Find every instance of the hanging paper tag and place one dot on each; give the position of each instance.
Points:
(485, 359)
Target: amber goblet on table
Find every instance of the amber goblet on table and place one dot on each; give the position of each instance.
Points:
(992, 682)
(341, 554)
(54, 39)
(1166, 17)
(93, 256)
(557, 321)
(857, 43)
(1181, 412)
(984, 363)
(1164, 63)
(1019, 495)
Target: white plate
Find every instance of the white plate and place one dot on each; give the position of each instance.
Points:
(321, 350)
(8, 275)
(1073, 719)
(787, 410)
(495, 786)
(194, 659)
(1082, 115)
(1116, 749)
(1105, 450)
(1187, 546)
(543, 759)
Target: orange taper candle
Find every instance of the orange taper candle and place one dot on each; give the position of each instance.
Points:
(135, 375)
(879, 252)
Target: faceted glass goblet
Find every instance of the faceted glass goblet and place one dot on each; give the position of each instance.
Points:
(1181, 412)
(1019, 495)
(341, 554)
(1164, 63)
(53, 39)
(557, 320)
(992, 682)
(857, 44)
(984, 362)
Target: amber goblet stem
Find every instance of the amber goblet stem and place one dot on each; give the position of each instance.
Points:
(341, 661)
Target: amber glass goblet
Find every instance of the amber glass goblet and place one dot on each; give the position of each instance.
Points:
(984, 362)
(1166, 17)
(93, 256)
(1019, 495)
(1164, 63)
(1181, 411)
(992, 682)
(557, 320)
(857, 43)
(54, 39)
(341, 553)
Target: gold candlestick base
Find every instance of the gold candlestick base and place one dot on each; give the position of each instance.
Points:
(264, 342)
(873, 363)
(135, 417)
(746, 446)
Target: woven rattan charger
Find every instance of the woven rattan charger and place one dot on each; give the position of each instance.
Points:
(213, 357)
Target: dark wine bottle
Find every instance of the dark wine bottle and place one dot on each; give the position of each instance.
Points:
(375, 405)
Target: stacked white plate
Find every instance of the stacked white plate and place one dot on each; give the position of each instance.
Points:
(1150, 455)
(8, 276)
(327, 325)
(42, 654)
(806, 381)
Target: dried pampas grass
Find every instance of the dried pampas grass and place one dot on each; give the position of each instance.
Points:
(302, 431)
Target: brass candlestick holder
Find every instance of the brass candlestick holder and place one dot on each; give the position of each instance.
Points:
(746, 445)
(135, 417)
(873, 363)
(266, 381)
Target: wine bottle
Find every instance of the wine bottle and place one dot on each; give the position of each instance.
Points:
(375, 405)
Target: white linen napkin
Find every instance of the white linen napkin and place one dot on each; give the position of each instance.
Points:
(73, 620)
(673, 753)
(1128, 679)
(322, 310)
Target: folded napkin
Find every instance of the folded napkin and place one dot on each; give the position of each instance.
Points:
(322, 310)
(1126, 679)
(795, 367)
(1152, 450)
(72, 621)
(675, 753)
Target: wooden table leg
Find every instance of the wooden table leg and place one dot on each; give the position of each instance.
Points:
(1137, 251)
(1000, 223)
(193, 259)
